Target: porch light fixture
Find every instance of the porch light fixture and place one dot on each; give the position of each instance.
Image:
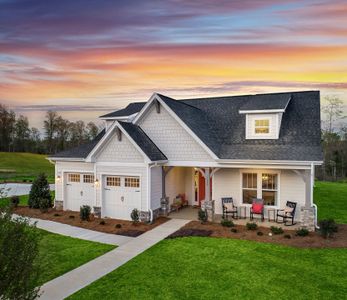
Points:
(96, 182)
(58, 178)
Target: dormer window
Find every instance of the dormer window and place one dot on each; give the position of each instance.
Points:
(261, 126)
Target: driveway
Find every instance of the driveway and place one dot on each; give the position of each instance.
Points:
(18, 189)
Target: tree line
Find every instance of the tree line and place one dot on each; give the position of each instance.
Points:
(59, 134)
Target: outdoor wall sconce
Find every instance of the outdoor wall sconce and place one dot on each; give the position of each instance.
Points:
(58, 178)
(96, 182)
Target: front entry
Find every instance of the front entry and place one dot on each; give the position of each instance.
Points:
(199, 187)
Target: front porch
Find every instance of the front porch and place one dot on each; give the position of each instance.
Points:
(191, 213)
(198, 185)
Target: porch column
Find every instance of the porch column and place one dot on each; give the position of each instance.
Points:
(207, 185)
(164, 203)
(308, 188)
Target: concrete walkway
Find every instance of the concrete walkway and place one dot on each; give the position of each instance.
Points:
(81, 233)
(19, 189)
(69, 283)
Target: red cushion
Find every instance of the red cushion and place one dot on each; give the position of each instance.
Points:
(257, 208)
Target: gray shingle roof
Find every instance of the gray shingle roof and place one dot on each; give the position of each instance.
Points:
(81, 151)
(143, 141)
(132, 108)
(265, 101)
(218, 123)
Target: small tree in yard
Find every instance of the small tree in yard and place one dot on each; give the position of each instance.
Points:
(202, 216)
(39, 190)
(135, 216)
(327, 228)
(19, 268)
(85, 212)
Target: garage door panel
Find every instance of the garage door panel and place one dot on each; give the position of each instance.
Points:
(121, 195)
(79, 190)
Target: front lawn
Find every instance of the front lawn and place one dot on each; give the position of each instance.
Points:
(59, 254)
(331, 200)
(210, 268)
(24, 167)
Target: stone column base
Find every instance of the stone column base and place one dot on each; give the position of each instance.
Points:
(208, 206)
(307, 218)
(97, 211)
(58, 204)
(164, 206)
(144, 216)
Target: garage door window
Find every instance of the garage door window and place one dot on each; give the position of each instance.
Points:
(112, 181)
(132, 182)
(88, 178)
(74, 177)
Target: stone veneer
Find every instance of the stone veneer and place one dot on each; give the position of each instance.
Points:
(307, 218)
(145, 215)
(58, 204)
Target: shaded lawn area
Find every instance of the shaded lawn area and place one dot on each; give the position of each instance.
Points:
(23, 200)
(331, 200)
(24, 167)
(59, 254)
(209, 268)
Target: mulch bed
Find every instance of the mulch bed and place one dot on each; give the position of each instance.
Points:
(313, 240)
(107, 225)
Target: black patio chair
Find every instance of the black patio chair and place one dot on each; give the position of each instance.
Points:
(229, 208)
(257, 208)
(287, 213)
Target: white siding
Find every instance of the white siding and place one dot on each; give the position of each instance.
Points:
(175, 182)
(123, 170)
(156, 187)
(274, 126)
(119, 151)
(226, 183)
(171, 138)
(62, 166)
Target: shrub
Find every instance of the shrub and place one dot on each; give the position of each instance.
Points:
(14, 201)
(102, 222)
(202, 216)
(302, 232)
(260, 233)
(19, 268)
(227, 223)
(85, 212)
(287, 236)
(234, 230)
(45, 204)
(135, 216)
(251, 226)
(39, 190)
(118, 226)
(72, 217)
(327, 227)
(56, 215)
(276, 230)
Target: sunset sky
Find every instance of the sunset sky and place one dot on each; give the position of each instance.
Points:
(87, 57)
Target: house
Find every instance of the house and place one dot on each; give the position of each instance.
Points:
(263, 145)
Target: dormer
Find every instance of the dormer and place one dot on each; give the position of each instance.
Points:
(264, 116)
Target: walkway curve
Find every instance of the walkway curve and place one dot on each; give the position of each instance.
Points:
(71, 282)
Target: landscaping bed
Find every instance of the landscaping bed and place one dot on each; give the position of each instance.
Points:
(313, 240)
(106, 225)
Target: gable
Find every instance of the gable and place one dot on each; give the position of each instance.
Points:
(119, 151)
(172, 139)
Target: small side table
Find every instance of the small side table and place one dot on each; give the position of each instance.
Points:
(244, 210)
(273, 212)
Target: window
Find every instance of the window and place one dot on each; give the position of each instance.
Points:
(249, 187)
(262, 126)
(73, 177)
(269, 188)
(262, 185)
(112, 181)
(88, 178)
(132, 182)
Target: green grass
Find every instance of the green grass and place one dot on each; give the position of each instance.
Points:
(19, 167)
(209, 268)
(59, 254)
(331, 200)
(23, 200)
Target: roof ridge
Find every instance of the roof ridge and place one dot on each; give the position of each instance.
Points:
(179, 101)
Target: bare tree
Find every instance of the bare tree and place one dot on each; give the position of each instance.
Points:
(92, 130)
(50, 126)
(333, 111)
(7, 121)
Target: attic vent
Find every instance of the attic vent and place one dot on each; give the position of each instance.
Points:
(157, 106)
(119, 134)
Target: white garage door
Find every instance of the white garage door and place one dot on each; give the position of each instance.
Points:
(79, 190)
(120, 196)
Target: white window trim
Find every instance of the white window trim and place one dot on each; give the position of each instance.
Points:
(260, 186)
(273, 127)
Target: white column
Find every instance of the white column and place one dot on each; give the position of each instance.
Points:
(207, 185)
